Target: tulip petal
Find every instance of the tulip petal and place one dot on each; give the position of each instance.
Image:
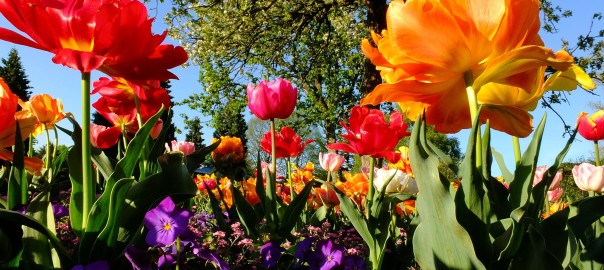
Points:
(511, 120)
(408, 22)
(568, 80)
(520, 60)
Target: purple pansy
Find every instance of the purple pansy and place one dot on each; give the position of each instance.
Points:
(270, 253)
(98, 265)
(60, 210)
(326, 256)
(353, 262)
(165, 223)
(303, 249)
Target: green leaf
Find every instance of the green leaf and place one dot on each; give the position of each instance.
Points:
(294, 210)
(521, 185)
(10, 242)
(507, 175)
(17, 183)
(560, 240)
(36, 248)
(353, 214)
(123, 169)
(473, 205)
(533, 253)
(174, 180)
(439, 241)
(539, 191)
(245, 211)
(107, 239)
(8, 217)
(215, 205)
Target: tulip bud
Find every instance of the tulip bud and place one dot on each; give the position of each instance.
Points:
(591, 128)
(401, 182)
(589, 177)
(270, 100)
(331, 161)
(186, 147)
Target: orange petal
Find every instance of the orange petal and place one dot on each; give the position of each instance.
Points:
(511, 120)
(413, 27)
(521, 60)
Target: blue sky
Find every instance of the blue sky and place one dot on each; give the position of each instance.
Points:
(64, 83)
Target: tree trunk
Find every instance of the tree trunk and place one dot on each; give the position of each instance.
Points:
(376, 21)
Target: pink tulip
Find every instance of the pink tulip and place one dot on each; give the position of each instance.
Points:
(589, 177)
(186, 147)
(270, 100)
(554, 195)
(331, 161)
(540, 171)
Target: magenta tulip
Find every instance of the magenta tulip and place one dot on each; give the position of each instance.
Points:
(270, 100)
(589, 177)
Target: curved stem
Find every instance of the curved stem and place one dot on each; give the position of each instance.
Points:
(370, 189)
(87, 181)
(473, 104)
(291, 180)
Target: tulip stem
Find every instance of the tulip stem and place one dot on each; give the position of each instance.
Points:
(597, 153)
(473, 103)
(87, 183)
(516, 145)
(370, 189)
(291, 180)
(271, 185)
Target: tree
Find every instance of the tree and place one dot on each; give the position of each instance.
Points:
(315, 44)
(195, 134)
(14, 75)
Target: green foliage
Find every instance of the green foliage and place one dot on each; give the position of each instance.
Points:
(14, 75)
(314, 44)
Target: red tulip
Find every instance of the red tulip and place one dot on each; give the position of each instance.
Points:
(591, 128)
(270, 100)
(103, 137)
(369, 134)
(112, 36)
(287, 143)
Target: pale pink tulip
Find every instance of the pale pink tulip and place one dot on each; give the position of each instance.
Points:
(331, 161)
(589, 177)
(186, 147)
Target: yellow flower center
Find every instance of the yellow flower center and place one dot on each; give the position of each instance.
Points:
(167, 226)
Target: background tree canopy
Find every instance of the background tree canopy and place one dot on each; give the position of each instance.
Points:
(316, 45)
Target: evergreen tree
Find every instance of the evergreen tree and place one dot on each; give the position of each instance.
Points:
(195, 134)
(14, 75)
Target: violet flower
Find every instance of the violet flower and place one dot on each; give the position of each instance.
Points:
(353, 262)
(98, 265)
(326, 256)
(270, 253)
(303, 249)
(165, 223)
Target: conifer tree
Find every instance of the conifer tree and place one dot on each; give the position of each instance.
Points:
(14, 76)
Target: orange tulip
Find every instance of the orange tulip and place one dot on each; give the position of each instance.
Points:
(46, 109)
(433, 49)
(8, 127)
(112, 36)
(228, 152)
